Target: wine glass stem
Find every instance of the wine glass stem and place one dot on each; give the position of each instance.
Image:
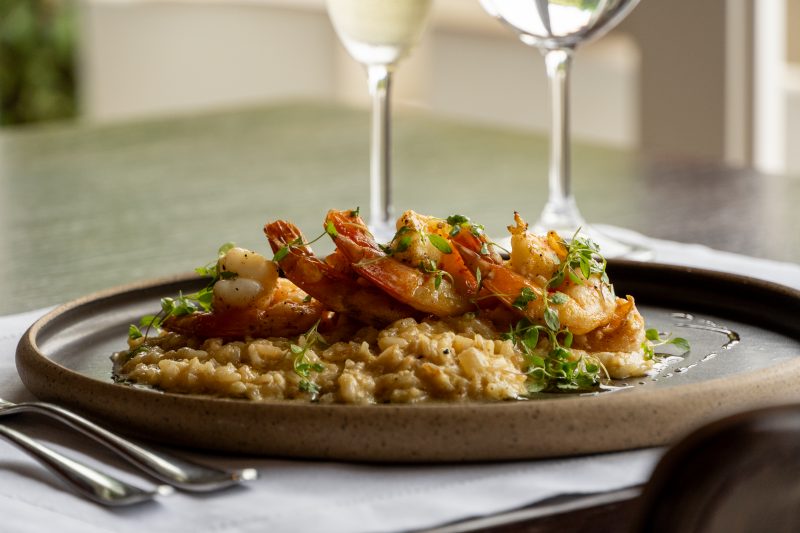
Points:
(560, 212)
(380, 201)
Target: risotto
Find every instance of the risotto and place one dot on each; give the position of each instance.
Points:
(449, 360)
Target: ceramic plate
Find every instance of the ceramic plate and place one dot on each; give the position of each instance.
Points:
(64, 358)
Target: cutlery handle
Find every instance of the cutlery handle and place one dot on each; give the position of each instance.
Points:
(84, 480)
(178, 472)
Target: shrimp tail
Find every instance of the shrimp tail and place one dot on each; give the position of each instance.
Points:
(329, 283)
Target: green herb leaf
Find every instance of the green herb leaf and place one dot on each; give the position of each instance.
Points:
(403, 244)
(330, 229)
(558, 298)
(134, 332)
(681, 343)
(654, 340)
(440, 243)
(150, 321)
(526, 296)
(648, 351)
(537, 383)
(302, 366)
(551, 319)
(281, 253)
(531, 338)
(457, 220)
(567, 342)
(309, 386)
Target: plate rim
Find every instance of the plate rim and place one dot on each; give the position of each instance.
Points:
(30, 358)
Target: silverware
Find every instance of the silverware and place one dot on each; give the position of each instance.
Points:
(180, 473)
(87, 481)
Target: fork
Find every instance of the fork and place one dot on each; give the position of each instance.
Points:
(87, 481)
(181, 473)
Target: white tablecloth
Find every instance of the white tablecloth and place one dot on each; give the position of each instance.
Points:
(324, 496)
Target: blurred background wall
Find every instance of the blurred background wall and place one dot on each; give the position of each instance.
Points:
(718, 79)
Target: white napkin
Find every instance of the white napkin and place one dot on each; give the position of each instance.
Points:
(699, 256)
(328, 496)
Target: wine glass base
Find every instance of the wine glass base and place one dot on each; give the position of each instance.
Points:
(610, 247)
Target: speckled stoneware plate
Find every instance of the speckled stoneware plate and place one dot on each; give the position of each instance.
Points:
(64, 358)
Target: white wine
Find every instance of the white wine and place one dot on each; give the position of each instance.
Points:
(559, 23)
(379, 32)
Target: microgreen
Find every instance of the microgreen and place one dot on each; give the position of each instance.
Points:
(284, 250)
(457, 220)
(134, 332)
(440, 243)
(460, 222)
(654, 340)
(526, 295)
(330, 229)
(400, 240)
(302, 366)
(429, 267)
(553, 368)
(558, 298)
(185, 304)
(402, 244)
(583, 256)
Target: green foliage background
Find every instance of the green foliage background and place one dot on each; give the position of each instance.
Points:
(37, 60)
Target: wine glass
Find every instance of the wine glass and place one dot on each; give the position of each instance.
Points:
(378, 34)
(556, 27)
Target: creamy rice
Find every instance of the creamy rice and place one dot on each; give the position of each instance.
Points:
(450, 360)
(442, 360)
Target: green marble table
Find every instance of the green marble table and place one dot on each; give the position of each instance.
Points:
(84, 207)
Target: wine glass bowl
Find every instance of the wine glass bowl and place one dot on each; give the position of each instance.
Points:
(556, 28)
(559, 24)
(379, 34)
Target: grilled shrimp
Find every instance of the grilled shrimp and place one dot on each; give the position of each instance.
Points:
(252, 301)
(534, 260)
(332, 281)
(625, 332)
(420, 286)
(413, 245)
